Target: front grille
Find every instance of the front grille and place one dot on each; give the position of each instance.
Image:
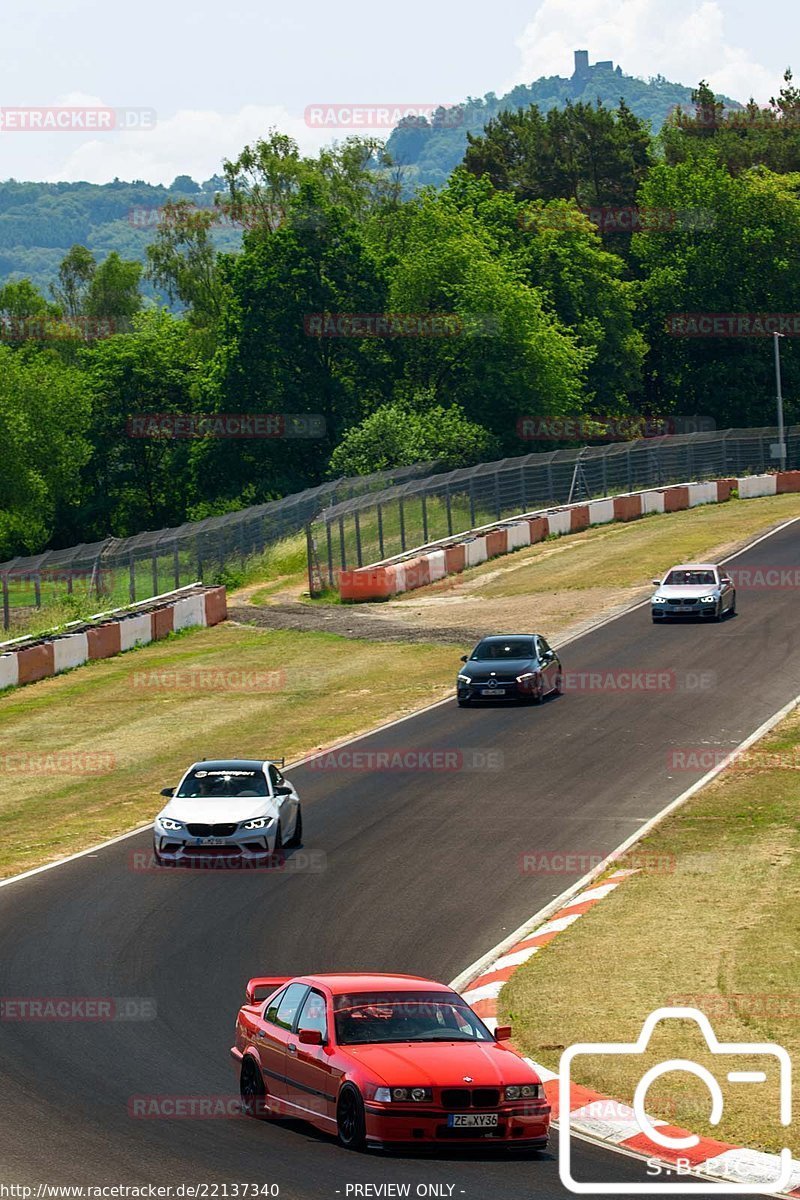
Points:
(213, 851)
(683, 602)
(458, 1098)
(212, 830)
(444, 1131)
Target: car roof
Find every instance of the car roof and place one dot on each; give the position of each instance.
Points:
(694, 567)
(341, 984)
(231, 764)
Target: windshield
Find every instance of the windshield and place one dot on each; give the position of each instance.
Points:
(690, 579)
(224, 783)
(513, 648)
(406, 1017)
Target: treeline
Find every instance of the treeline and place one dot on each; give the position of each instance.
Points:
(539, 282)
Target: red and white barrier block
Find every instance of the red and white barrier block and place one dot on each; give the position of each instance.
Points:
(453, 555)
(27, 661)
(598, 1116)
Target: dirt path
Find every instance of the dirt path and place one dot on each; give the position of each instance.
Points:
(348, 621)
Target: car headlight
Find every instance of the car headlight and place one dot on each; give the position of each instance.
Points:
(168, 823)
(526, 676)
(464, 679)
(419, 1095)
(659, 599)
(708, 600)
(524, 1091)
(257, 823)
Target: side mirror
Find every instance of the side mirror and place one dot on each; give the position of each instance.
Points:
(725, 579)
(464, 658)
(656, 583)
(310, 1037)
(168, 792)
(283, 790)
(502, 1033)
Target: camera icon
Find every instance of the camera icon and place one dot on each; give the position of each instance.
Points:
(674, 1144)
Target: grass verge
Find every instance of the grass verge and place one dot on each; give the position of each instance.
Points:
(84, 755)
(713, 924)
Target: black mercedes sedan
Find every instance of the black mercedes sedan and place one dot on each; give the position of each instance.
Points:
(519, 666)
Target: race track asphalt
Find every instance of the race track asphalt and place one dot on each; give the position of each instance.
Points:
(420, 873)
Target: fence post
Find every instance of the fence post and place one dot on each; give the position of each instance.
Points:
(155, 574)
(523, 493)
(6, 605)
(497, 493)
(358, 538)
(424, 519)
(176, 564)
(310, 561)
(37, 589)
(380, 531)
(402, 526)
(131, 579)
(472, 501)
(449, 513)
(341, 544)
(630, 472)
(329, 541)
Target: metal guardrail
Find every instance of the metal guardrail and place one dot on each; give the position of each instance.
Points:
(139, 567)
(367, 529)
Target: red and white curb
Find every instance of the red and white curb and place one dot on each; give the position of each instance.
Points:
(598, 1117)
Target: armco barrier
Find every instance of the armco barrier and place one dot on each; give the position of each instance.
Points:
(26, 660)
(394, 576)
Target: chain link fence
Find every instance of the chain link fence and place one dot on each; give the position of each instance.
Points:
(123, 570)
(368, 529)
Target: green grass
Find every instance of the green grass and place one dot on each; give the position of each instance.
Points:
(717, 930)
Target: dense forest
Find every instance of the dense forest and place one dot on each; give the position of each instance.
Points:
(540, 281)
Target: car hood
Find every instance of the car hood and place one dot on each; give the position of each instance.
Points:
(499, 666)
(214, 810)
(674, 591)
(442, 1064)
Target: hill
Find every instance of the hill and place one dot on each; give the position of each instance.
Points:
(429, 150)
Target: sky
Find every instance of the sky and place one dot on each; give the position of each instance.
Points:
(204, 79)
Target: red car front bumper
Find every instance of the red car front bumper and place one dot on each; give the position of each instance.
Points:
(524, 1125)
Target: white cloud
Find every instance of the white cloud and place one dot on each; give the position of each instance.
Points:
(685, 40)
(190, 142)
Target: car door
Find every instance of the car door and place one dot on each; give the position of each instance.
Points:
(273, 1036)
(726, 591)
(312, 1078)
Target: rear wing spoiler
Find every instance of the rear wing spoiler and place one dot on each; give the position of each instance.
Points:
(277, 762)
(265, 984)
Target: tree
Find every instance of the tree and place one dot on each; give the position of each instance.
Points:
(185, 184)
(183, 260)
(407, 432)
(114, 290)
(21, 299)
(74, 277)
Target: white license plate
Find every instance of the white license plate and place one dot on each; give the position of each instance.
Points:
(472, 1120)
(494, 691)
(211, 842)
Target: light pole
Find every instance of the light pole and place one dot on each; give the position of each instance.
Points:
(779, 393)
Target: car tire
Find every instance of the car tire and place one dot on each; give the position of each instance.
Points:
(278, 847)
(719, 615)
(538, 695)
(463, 703)
(252, 1092)
(558, 689)
(157, 859)
(351, 1121)
(297, 836)
(733, 606)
